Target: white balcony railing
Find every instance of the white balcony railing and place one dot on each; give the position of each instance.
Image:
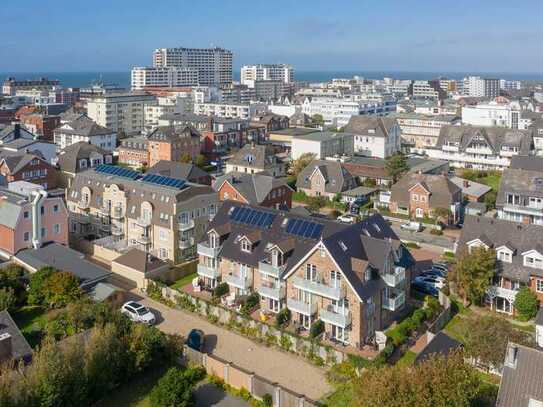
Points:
(394, 303)
(395, 278)
(238, 281)
(336, 316)
(301, 307)
(269, 289)
(267, 268)
(209, 272)
(189, 224)
(144, 222)
(186, 243)
(204, 250)
(318, 288)
(495, 291)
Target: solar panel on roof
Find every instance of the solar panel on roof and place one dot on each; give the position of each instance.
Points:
(162, 180)
(310, 228)
(290, 225)
(303, 228)
(117, 171)
(256, 218)
(234, 212)
(252, 217)
(317, 232)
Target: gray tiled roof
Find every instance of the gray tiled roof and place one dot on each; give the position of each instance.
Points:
(362, 125)
(140, 261)
(442, 190)
(522, 381)
(253, 187)
(68, 158)
(527, 162)
(189, 172)
(173, 133)
(261, 156)
(16, 162)
(526, 183)
(441, 344)
(84, 126)
(20, 349)
(472, 188)
(337, 178)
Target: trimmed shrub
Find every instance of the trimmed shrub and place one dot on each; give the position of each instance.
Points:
(220, 290)
(250, 303)
(176, 386)
(316, 329)
(526, 303)
(282, 317)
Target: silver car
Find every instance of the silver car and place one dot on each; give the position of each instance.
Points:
(138, 313)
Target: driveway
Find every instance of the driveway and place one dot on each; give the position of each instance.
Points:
(290, 371)
(207, 395)
(425, 238)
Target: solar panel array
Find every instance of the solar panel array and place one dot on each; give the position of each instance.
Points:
(252, 217)
(165, 181)
(117, 171)
(303, 228)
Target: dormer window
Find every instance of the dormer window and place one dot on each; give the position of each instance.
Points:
(213, 240)
(534, 262)
(245, 246)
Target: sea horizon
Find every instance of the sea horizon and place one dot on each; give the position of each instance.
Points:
(122, 78)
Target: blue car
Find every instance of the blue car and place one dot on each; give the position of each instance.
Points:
(425, 288)
(195, 340)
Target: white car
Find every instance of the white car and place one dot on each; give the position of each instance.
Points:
(346, 219)
(138, 313)
(432, 281)
(413, 226)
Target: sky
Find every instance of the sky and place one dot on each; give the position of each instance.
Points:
(312, 35)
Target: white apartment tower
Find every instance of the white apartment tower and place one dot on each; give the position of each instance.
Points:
(143, 77)
(214, 65)
(266, 72)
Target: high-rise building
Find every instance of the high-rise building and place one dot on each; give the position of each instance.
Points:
(143, 77)
(266, 72)
(214, 65)
(476, 86)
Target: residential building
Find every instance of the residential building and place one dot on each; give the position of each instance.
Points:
(160, 215)
(143, 77)
(255, 158)
(254, 189)
(29, 218)
(492, 114)
(426, 89)
(419, 131)
(79, 157)
(520, 195)
(182, 171)
(270, 91)
(171, 143)
(323, 144)
(120, 112)
(375, 136)
(508, 85)
(41, 125)
(476, 86)
(222, 134)
(519, 256)
(13, 345)
(30, 168)
(43, 149)
(266, 72)
(283, 138)
(165, 106)
(419, 195)
(471, 190)
(86, 130)
(520, 382)
(324, 178)
(15, 132)
(235, 94)
(11, 85)
(354, 278)
(134, 151)
(482, 148)
(213, 65)
(271, 122)
(234, 110)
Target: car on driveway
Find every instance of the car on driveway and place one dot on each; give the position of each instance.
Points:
(411, 226)
(432, 281)
(196, 339)
(424, 288)
(347, 219)
(138, 313)
(438, 275)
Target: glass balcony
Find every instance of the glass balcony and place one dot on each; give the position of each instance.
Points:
(495, 291)
(267, 268)
(83, 204)
(318, 288)
(394, 302)
(395, 278)
(186, 243)
(208, 272)
(116, 230)
(204, 250)
(143, 222)
(301, 307)
(117, 213)
(189, 224)
(336, 316)
(270, 289)
(143, 239)
(238, 281)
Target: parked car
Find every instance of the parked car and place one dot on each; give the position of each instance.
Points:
(413, 226)
(424, 288)
(431, 281)
(138, 313)
(347, 219)
(196, 339)
(441, 267)
(434, 273)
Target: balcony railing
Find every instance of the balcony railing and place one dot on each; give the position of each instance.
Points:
(269, 289)
(105, 227)
(83, 204)
(143, 239)
(143, 222)
(189, 224)
(238, 281)
(495, 291)
(301, 307)
(80, 218)
(526, 210)
(318, 288)
(208, 272)
(267, 268)
(117, 213)
(116, 230)
(186, 243)
(336, 316)
(394, 302)
(204, 250)
(395, 278)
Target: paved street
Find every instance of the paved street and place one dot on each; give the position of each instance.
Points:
(288, 370)
(207, 395)
(443, 242)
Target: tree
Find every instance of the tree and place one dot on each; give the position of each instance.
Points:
(12, 278)
(60, 289)
(526, 303)
(200, 161)
(490, 200)
(439, 381)
(318, 120)
(472, 274)
(396, 166)
(185, 158)
(7, 298)
(36, 294)
(298, 165)
(486, 337)
(175, 388)
(442, 215)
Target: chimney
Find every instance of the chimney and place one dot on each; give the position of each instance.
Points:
(5, 347)
(511, 355)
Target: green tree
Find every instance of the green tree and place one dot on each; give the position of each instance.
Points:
(7, 298)
(472, 274)
(490, 200)
(526, 303)
(60, 289)
(185, 158)
(317, 119)
(396, 166)
(200, 161)
(36, 293)
(442, 215)
(12, 277)
(175, 388)
(298, 165)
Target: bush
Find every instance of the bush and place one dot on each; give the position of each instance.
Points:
(267, 400)
(220, 290)
(419, 316)
(432, 307)
(436, 232)
(53, 288)
(526, 303)
(7, 298)
(175, 388)
(250, 303)
(282, 317)
(36, 293)
(316, 329)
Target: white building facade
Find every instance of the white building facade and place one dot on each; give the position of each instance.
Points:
(238, 111)
(266, 72)
(143, 77)
(492, 114)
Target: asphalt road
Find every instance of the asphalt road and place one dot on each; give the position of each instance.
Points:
(443, 242)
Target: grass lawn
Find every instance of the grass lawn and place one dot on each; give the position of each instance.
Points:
(407, 359)
(492, 181)
(184, 281)
(342, 397)
(31, 319)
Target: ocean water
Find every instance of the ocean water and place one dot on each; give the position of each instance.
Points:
(82, 79)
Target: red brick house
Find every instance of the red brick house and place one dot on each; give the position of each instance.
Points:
(30, 168)
(170, 143)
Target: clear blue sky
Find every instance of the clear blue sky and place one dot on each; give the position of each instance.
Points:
(404, 35)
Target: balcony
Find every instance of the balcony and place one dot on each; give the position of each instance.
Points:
(143, 239)
(105, 227)
(269, 269)
(394, 302)
(104, 210)
(116, 230)
(186, 243)
(269, 289)
(395, 278)
(318, 288)
(83, 204)
(208, 272)
(117, 212)
(301, 307)
(238, 281)
(495, 291)
(525, 210)
(80, 218)
(204, 250)
(143, 222)
(335, 316)
(188, 225)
